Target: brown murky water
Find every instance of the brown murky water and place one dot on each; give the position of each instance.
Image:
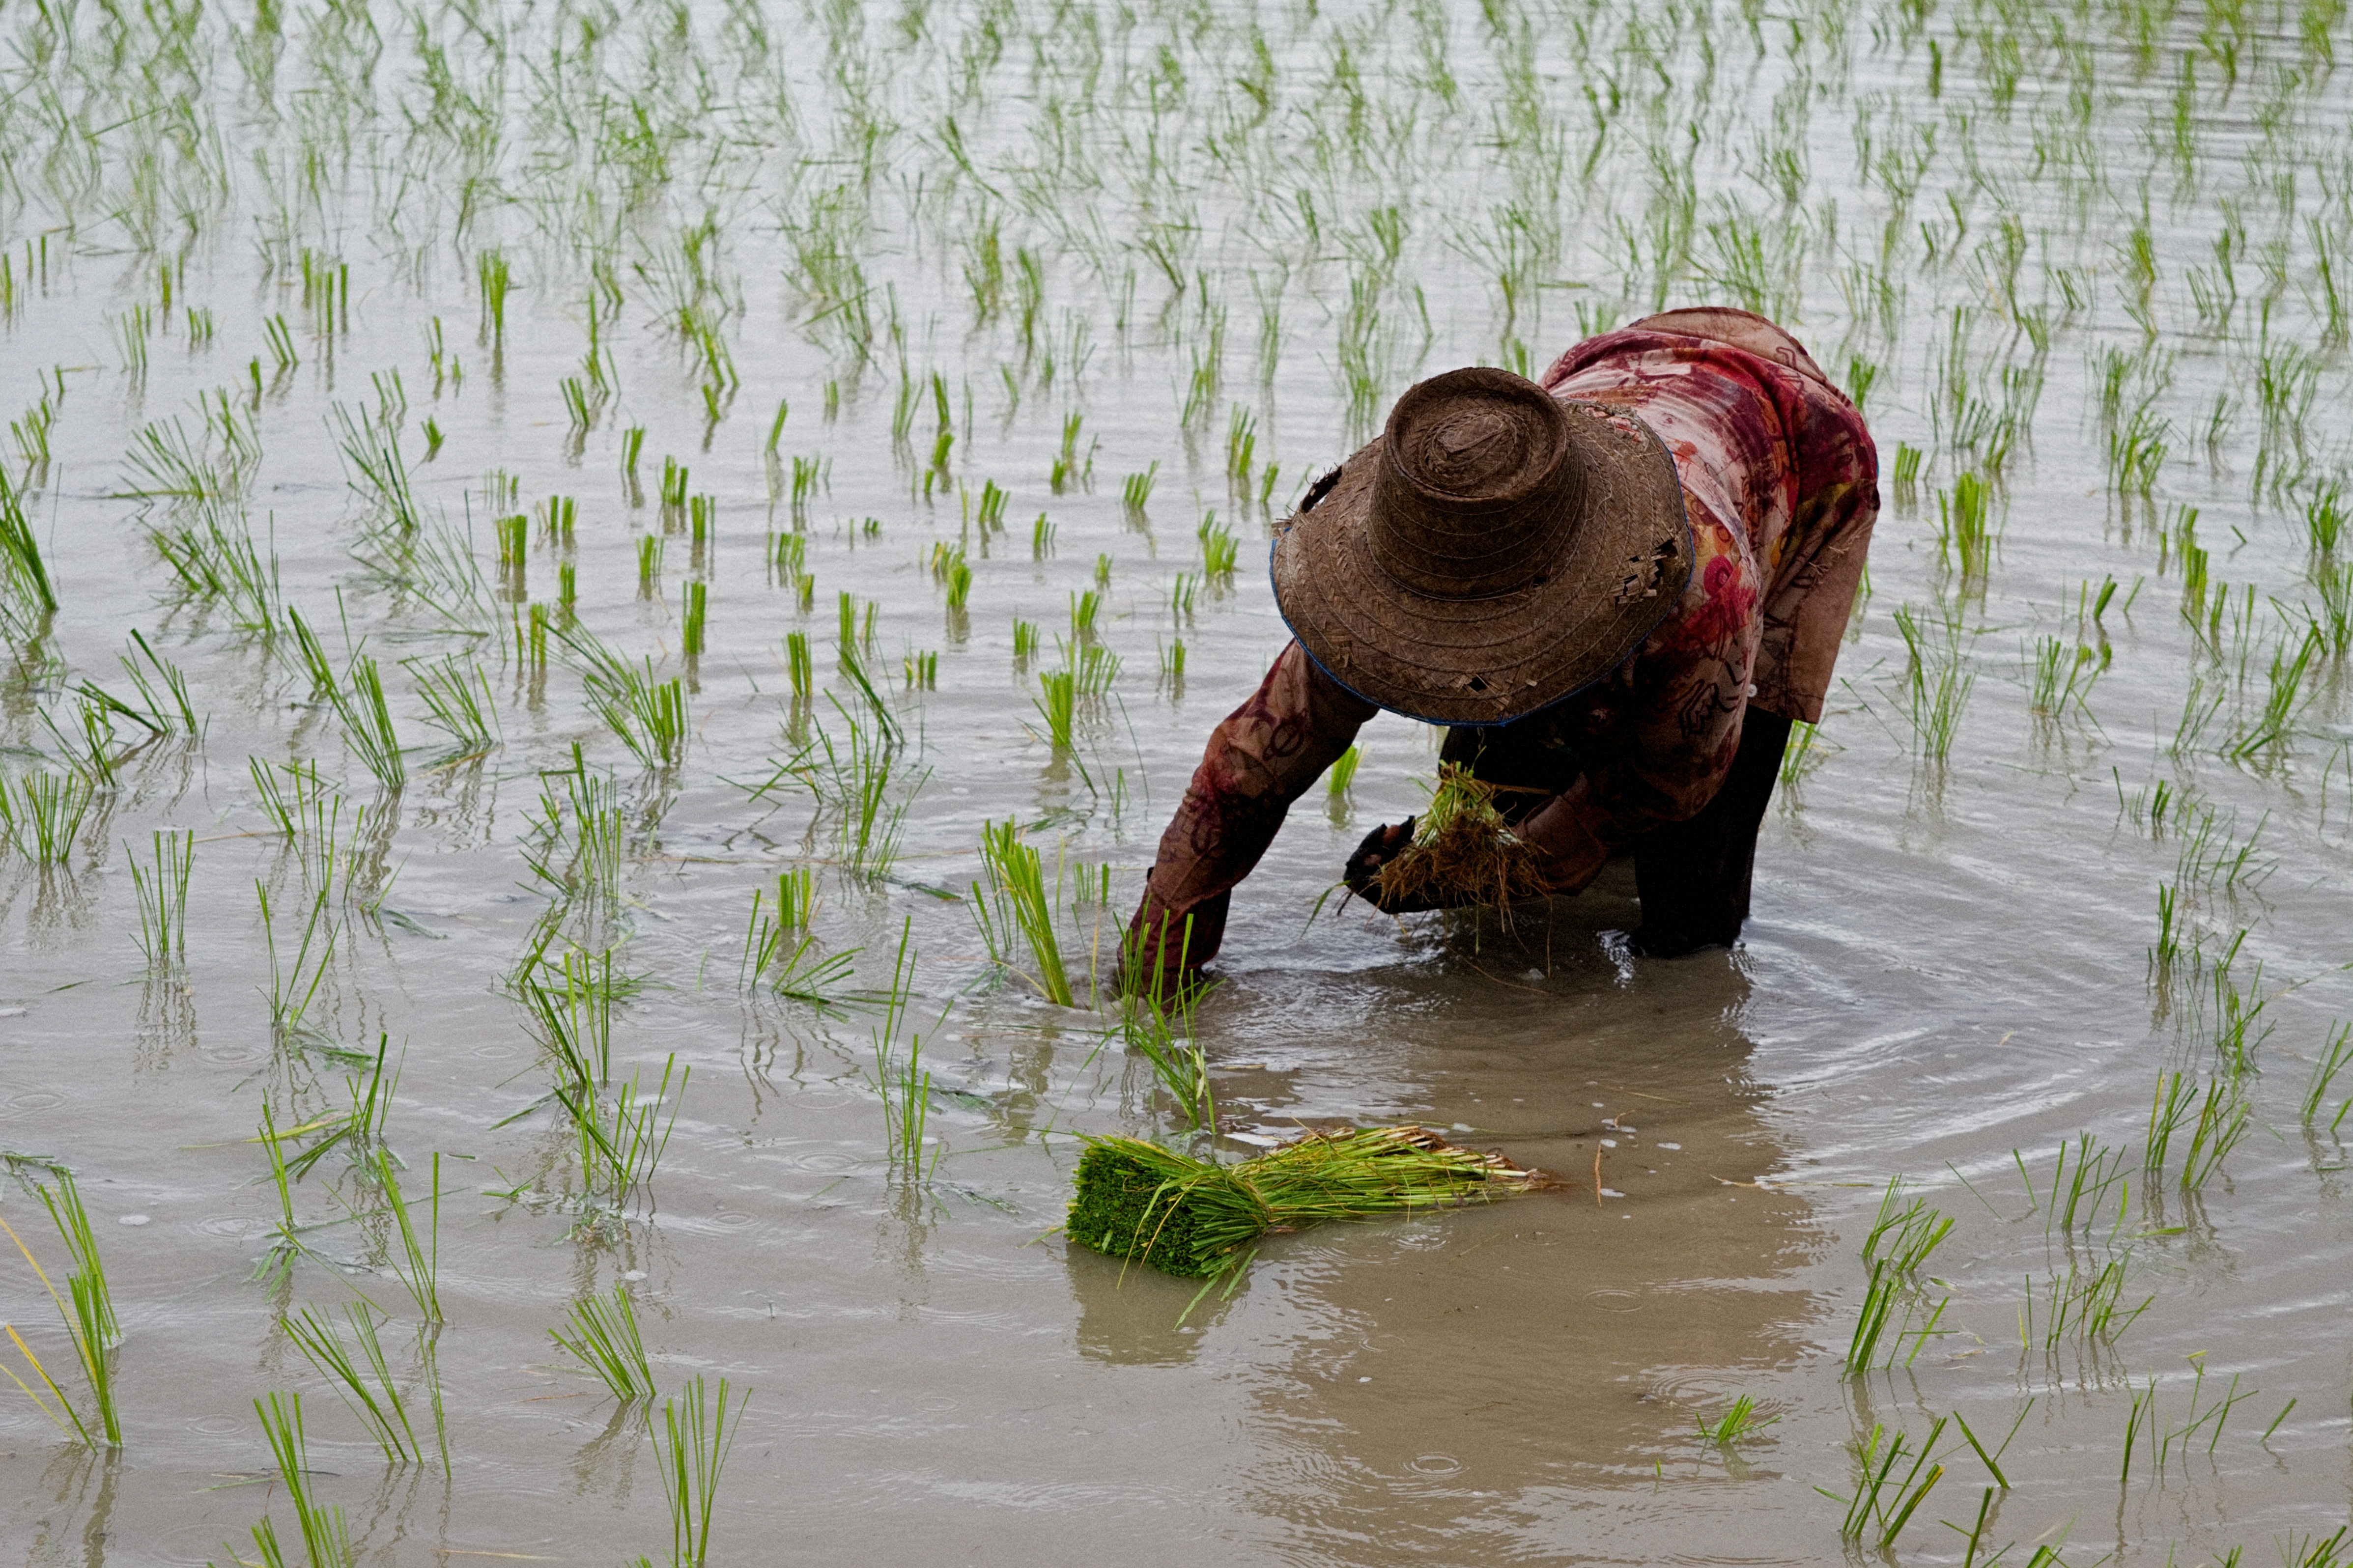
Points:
(2128, 221)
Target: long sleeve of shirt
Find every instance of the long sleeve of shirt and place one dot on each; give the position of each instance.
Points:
(1265, 755)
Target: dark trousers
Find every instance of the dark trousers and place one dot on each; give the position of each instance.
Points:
(1691, 875)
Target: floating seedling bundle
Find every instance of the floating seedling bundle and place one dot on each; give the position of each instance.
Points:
(1462, 853)
(1142, 1203)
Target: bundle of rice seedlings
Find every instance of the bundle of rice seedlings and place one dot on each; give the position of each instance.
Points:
(1462, 853)
(1142, 1203)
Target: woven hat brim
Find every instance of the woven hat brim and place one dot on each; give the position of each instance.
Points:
(1490, 660)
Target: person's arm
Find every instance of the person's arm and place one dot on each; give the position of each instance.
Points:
(1264, 756)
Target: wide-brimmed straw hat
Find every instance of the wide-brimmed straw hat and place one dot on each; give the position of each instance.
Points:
(1495, 551)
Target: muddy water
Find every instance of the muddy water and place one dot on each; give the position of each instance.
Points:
(1949, 961)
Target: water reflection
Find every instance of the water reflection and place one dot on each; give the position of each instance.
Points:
(1400, 1408)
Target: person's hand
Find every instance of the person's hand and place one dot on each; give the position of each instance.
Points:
(1361, 874)
(1362, 867)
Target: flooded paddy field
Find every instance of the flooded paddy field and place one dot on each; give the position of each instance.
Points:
(560, 557)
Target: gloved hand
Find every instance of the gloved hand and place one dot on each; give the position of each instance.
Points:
(1361, 873)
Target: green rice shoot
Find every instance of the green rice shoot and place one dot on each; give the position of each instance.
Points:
(1144, 1203)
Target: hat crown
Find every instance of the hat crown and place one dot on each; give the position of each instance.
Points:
(1476, 494)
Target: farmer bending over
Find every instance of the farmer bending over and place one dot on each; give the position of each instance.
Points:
(1616, 589)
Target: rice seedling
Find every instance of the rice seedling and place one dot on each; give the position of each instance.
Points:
(1343, 772)
(2060, 679)
(649, 566)
(89, 1319)
(923, 671)
(605, 1339)
(1462, 853)
(1936, 680)
(457, 701)
(326, 1536)
(2223, 1119)
(1172, 664)
(647, 716)
(779, 950)
(1141, 1202)
(1041, 538)
(1739, 1420)
(2084, 1300)
(2335, 1054)
(162, 711)
(1219, 552)
(295, 987)
(162, 889)
(1898, 1245)
(621, 1136)
(359, 1130)
(1025, 640)
(1016, 891)
(1882, 1505)
(1135, 489)
(421, 1276)
(41, 814)
(370, 1394)
(904, 1085)
(1056, 704)
(797, 664)
(693, 614)
(692, 1448)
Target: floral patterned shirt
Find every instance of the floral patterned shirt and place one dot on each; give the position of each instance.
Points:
(1780, 483)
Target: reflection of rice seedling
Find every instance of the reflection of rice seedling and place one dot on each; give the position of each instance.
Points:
(1142, 1203)
(1739, 1420)
(692, 1447)
(370, 1396)
(1016, 889)
(162, 893)
(605, 1340)
(1462, 853)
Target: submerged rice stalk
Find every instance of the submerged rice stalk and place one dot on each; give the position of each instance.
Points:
(1142, 1203)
